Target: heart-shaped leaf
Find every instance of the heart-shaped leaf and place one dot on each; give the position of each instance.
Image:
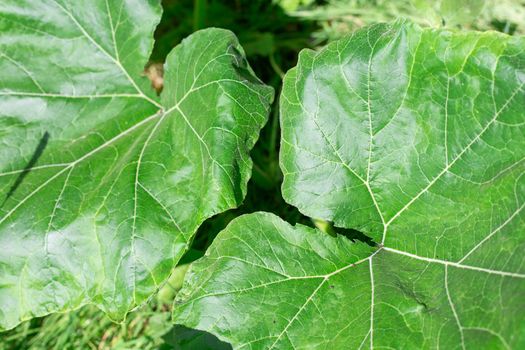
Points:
(102, 185)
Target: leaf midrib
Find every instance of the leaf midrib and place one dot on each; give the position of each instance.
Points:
(115, 60)
(324, 278)
(447, 167)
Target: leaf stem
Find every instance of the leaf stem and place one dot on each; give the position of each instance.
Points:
(275, 66)
(274, 139)
(199, 14)
(325, 226)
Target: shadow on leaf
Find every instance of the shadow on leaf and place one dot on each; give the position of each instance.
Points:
(183, 338)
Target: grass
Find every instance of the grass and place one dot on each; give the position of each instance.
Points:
(89, 328)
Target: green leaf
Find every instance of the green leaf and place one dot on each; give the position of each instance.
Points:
(102, 185)
(259, 271)
(415, 137)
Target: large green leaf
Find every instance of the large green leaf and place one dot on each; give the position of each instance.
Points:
(102, 185)
(416, 137)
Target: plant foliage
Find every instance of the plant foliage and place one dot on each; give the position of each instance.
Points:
(415, 137)
(410, 140)
(103, 184)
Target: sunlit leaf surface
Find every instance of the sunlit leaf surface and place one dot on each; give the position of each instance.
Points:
(102, 184)
(416, 137)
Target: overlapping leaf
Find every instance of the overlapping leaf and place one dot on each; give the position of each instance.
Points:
(417, 138)
(103, 185)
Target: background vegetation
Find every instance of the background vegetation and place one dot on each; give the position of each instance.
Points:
(272, 33)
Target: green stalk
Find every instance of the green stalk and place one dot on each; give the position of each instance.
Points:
(325, 227)
(199, 14)
(277, 69)
(274, 135)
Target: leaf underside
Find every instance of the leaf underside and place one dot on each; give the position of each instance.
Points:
(103, 184)
(416, 137)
